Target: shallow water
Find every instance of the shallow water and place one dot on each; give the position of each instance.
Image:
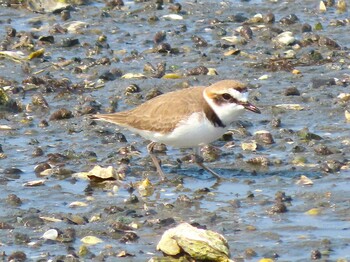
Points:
(292, 235)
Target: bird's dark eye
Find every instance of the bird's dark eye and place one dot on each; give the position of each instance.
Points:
(226, 96)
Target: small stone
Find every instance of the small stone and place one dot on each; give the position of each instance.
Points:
(259, 161)
(100, 174)
(167, 222)
(269, 18)
(17, 256)
(111, 74)
(199, 41)
(50, 234)
(4, 225)
(159, 37)
(322, 150)
(347, 115)
(341, 6)
(264, 136)
(33, 221)
(199, 244)
(13, 200)
(61, 114)
(298, 149)
(12, 171)
(304, 180)
(284, 39)
(129, 237)
(91, 240)
(291, 91)
(199, 70)
(289, 19)
(39, 100)
(329, 3)
(43, 123)
(282, 197)
(249, 146)
(65, 15)
(344, 97)
(250, 253)
(11, 32)
(322, 6)
(159, 148)
(132, 199)
(153, 93)
(305, 134)
(246, 32)
(316, 254)
(69, 42)
(276, 122)
(278, 207)
(306, 28)
(210, 153)
(320, 82)
(329, 43)
(132, 88)
(38, 152)
(163, 48)
(41, 167)
(176, 8)
(331, 166)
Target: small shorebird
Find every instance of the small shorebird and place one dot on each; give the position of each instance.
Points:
(187, 118)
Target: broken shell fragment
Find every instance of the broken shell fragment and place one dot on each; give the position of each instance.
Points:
(305, 181)
(249, 146)
(91, 240)
(60, 114)
(199, 244)
(347, 115)
(285, 38)
(50, 234)
(259, 161)
(264, 136)
(99, 174)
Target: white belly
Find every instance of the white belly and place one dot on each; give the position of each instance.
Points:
(195, 131)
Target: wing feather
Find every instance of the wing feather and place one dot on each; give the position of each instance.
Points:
(162, 113)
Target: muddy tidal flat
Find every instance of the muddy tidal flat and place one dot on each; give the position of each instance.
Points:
(74, 189)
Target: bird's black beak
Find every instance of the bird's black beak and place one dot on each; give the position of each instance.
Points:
(251, 107)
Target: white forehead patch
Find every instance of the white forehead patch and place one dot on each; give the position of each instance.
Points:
(238, 95)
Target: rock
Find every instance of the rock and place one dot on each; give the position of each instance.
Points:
(60, 114)
(264, 136)
(199, 70)
(285, 38)
(305, 181)
(319, 82)
(50, 234)
(306, 28)
(99, 174)
(291, 91)
(249, 146)
(289, 19)
(199, 244)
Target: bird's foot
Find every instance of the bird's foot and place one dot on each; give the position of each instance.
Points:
(199, 161)
(194, 158)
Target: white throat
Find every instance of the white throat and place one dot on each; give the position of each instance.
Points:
(228, 112)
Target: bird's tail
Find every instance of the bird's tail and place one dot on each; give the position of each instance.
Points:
(115, 118)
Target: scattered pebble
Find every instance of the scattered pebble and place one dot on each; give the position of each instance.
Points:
(62, 62)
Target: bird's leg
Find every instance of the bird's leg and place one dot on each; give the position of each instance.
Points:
(196, 158)
(155, 160)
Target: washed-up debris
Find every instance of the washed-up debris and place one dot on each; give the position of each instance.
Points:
(198, 244)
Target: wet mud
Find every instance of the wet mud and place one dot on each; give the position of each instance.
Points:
(286, 190)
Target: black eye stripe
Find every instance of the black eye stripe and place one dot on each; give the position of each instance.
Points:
(228, 98)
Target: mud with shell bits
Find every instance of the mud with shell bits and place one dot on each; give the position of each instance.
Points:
(286, 196)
